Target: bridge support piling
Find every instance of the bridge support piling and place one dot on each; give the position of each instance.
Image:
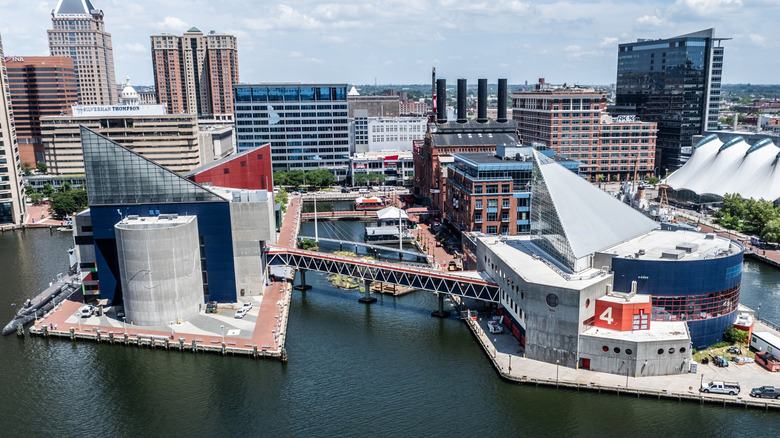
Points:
(441, 313)
(303, 286)
(368, 299)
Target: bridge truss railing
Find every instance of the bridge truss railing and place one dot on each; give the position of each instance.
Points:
(403, 275)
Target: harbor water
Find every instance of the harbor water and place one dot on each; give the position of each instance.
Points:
(386, 369)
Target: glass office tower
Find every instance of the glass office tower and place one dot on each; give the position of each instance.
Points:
(676, 83)
(307, 125)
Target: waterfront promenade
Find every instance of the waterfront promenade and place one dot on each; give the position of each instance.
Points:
(505, 354)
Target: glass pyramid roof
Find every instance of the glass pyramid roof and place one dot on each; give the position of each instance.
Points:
(571, 218)
(118, 176)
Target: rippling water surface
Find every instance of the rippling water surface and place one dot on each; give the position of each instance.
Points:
(388, 369)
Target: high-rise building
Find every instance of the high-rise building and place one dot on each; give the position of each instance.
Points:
(12, 207)
(307, 125)
(573, 122)
(78, 32)
(40, 86)
(194, 73)
(676, 83)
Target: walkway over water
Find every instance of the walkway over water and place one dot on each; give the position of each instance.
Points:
(469, 284)
(349, 243)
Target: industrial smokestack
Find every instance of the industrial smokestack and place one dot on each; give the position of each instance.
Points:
(462, 118)
(441, 101)
(482, 101)
(501, 101)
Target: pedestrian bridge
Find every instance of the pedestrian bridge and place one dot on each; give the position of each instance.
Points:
(468, 284)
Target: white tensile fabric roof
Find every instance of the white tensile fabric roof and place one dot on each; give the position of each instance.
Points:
(735, 166)
(592, 219)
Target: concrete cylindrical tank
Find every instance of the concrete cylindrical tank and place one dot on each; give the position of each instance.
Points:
(160, 270)
(462, 118)
(502, 96)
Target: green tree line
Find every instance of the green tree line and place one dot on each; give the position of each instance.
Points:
(298, 178)
(749, 216)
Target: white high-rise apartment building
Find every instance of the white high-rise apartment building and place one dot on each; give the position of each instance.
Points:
(12, 207)
(79, 33)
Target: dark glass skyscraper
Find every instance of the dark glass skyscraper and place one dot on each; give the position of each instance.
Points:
(676, 83)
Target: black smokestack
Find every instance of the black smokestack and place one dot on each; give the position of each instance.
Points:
(501, 101)
(462, 101)
(482, 101)
(441, 101)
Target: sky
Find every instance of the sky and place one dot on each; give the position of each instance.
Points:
(398, 41)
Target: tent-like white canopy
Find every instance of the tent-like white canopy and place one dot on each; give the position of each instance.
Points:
(718, 168)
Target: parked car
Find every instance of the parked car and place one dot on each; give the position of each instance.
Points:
(717, 387)
(766, 392)
(240, 313)
(246, 305)
(734, 350)
(120, 313)
(86, 311)
(346, 190)
(211, 307)
(720, 361)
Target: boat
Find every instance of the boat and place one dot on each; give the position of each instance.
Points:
(53, 295)
(373, 203)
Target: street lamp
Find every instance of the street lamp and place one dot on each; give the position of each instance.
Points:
(124, 319)
(557, 369)
(78, 319)
(172, 335)
(627, 369)
(758, 313)
(222, 329)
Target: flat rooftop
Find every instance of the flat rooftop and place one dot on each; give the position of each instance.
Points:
(693, 244)
(535, 266)
(159, 221)
(659, 331)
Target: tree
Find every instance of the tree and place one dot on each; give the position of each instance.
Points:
(281, 197)
(29, 190)
(309, 244)
(653, 180)
(360, 179)
(48, 190)
(296, 177)
(771, 231)
(320, 177)
(62, 204)
(600, 177)
(42, 167)
(377, 178)
(280, 178)
(66, 187)
(36, 198)
(733, 335)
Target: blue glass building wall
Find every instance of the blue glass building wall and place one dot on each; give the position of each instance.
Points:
(213, 226)
(678, 278)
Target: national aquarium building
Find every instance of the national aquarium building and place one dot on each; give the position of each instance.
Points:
(597, 285)
(161, 244)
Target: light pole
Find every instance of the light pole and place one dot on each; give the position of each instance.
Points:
(222, 329)
(124, 319)
(758, 312)
(172, 335)
(78, 319)
(557, 370)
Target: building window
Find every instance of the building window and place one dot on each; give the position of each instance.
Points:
(552, 300)
(478, 204)
(505, 203)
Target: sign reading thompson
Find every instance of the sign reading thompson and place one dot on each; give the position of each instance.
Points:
(119, 110)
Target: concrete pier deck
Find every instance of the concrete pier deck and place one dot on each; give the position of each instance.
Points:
(505, 353)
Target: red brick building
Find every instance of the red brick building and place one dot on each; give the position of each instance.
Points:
(40, 86)
(249, 170)
(195, 73)
(574, 123)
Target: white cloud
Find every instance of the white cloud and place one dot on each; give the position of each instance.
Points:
(172, 23)
(135, 47)
(651, 20)
(295, 54)
(573, 48)
(758, 40)
(608, 41)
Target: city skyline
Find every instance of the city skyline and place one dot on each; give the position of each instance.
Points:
(397, 42)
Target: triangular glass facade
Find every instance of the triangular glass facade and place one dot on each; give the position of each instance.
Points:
(118, 176)
(546, 227)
